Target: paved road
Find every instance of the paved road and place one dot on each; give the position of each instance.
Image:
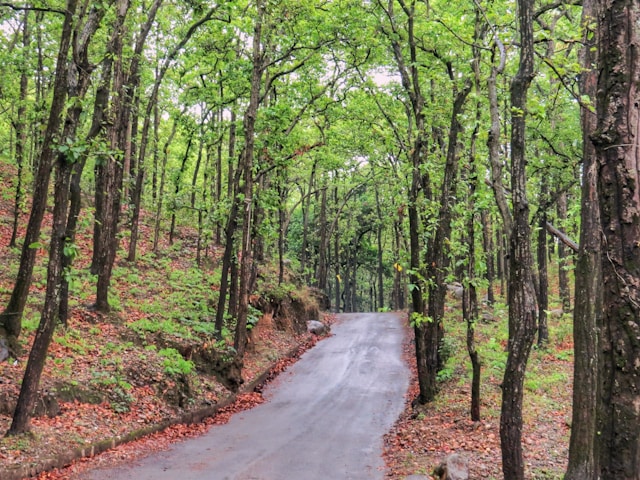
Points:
(323, 420)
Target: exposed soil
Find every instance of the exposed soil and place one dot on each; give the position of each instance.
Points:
(424, 436)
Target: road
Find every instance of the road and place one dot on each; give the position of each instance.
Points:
(324, 417)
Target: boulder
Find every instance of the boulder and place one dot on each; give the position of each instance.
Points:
(317, 328)
(453, 467)
(455, 289)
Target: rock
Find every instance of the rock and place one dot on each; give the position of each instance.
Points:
(453, 467)
(322, 299)
(487, 317)
(4, 350)
(416, 477)
(47, 404)
(317, 328)
(455, 289)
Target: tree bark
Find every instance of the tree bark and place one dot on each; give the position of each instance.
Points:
(20, 128)
(437, 258)
(324, 241)
(97, 127)
(249, 122)
(563, 257)
(617, 156)
(380, 265)
(48, 319)
(175, 206)
(163, 176)
(543, 279)
(583, 461)
(489, 255)
(521, 295)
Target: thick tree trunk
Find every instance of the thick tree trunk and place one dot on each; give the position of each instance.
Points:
(522, 296)
(617, 155)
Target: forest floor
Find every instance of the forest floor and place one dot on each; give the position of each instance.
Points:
(423, 437)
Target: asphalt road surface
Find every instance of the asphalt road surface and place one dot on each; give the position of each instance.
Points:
(324, 417)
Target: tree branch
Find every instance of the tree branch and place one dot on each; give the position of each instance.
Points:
(19, 8)
(562, 237)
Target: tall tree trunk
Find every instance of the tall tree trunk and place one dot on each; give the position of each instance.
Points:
(97, 127)
(20, 128)
(324, 243)
(306, 207)
(176, 191)
(48, 319)
(522, 296)
(246, 265)
(380, 265)
(543, 279)
(469, 294)
(437, 258)
(489, 255)
(493, 143)
(125, 86)
(109, 174)
(11, 317)
(77, 85)
(163, 176)
(229, 264)
(563, 257)
(587, 316)
(615, 140)
(336, 257)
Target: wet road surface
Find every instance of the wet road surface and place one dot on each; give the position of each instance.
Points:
(324, 417)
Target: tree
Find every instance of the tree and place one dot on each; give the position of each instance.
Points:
(77, 83)
(583, 450)
(11, 317)
(522, 296)
(618, 195)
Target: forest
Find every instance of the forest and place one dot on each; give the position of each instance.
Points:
(361, 155)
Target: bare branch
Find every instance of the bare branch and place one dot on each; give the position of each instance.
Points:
(20, 8)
